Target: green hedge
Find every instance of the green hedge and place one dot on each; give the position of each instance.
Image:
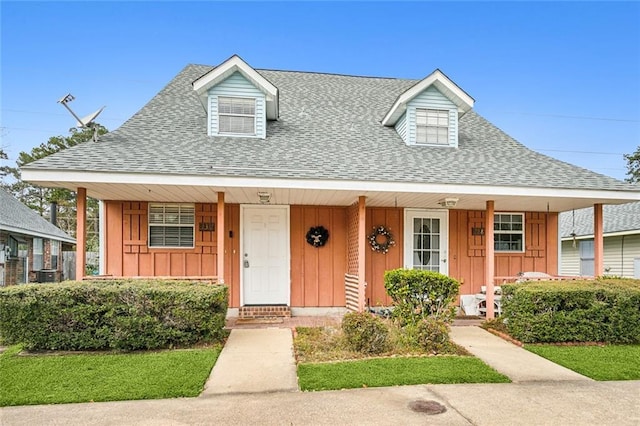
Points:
(115, 314)
(420, 294)
(603, 310)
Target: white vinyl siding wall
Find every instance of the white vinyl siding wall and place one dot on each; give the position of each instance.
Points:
(570, 258)
(401, 127)
(434, 100)
(619, 252)
(236, 85)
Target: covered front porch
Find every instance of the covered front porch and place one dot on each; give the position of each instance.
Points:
(457, 221)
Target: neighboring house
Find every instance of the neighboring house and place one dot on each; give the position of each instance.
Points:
(230, 172)
(621, 231)
(30, 246)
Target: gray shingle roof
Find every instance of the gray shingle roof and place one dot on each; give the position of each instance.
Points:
(618, 218)
(17, 217)
(329, 128)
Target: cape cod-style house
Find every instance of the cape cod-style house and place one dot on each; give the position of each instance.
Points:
(299, 189)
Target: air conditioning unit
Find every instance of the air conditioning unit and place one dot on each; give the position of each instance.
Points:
(48, 276)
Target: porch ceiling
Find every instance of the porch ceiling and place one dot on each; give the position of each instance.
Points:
(551, 200)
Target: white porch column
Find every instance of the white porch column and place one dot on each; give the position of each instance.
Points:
(489, 260)
(598, 241)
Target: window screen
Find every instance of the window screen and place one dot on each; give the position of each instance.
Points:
(236, 115)
(171, 225)
(432, 126)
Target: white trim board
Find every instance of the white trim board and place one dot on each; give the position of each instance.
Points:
(74, 179)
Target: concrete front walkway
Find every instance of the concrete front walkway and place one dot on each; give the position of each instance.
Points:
(255, 360)
(514, 362)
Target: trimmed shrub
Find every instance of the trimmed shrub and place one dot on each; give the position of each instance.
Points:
(429, 334)
(418, 295)
(604, 310)
(115, 314)
(365, 332)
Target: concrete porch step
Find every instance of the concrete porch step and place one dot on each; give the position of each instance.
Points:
(264, 311)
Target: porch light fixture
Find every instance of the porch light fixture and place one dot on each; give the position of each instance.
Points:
(448, 202)
(264, 197)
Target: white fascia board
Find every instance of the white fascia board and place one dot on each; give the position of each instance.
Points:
(72, 177)
(605, 235)
(228, 67)
(24, 231)
(443, 83)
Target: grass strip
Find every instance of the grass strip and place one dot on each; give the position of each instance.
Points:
(54, 379)
(396, 372)
(610, 362)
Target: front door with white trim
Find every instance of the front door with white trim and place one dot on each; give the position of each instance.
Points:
(265, 255)
(425, 236)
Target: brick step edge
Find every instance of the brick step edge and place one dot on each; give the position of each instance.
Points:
(249, 312)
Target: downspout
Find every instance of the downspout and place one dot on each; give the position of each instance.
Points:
(622, 257)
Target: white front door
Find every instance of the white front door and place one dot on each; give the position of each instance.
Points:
(425, 236)
(265, 255)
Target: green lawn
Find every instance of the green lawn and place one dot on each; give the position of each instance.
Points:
(52, 379)
(611, 362)
(396, 372)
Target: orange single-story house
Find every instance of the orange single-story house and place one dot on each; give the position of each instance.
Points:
(299, 189)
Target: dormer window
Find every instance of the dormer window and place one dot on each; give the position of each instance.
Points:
(239, 100)
(237, 115)
(428, 112)
(432, 126)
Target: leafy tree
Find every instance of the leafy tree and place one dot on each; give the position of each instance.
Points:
(40, 199)
(633, 166)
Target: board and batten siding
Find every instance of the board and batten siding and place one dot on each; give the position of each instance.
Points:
(236, 85)
(431, 98)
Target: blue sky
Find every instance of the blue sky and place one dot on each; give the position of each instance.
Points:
(562, 78)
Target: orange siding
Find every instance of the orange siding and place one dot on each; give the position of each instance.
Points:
(128, 253)
(378, 263)
(232, 253)
(317, 273)
(466, 254)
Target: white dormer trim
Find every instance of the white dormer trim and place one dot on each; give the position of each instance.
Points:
(226, 69)
(448, 88)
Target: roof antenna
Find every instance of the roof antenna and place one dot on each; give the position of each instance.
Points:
(86, 122)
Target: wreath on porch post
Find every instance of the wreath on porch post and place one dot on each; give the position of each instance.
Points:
(381, 239)
(317, 236)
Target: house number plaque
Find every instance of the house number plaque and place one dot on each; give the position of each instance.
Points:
(207, 226)
(477, 231)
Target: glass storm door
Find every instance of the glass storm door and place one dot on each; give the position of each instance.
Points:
(426, 240)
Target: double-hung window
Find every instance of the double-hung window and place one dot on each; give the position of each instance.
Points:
(432, 126)
(38, 254)
(237, 115)
(171, 225)
(508, 232)
(55, 253)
